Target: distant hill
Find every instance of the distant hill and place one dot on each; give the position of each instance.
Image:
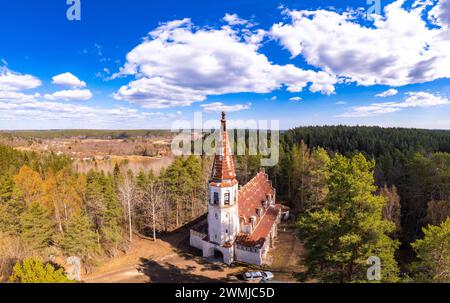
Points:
(74, 133)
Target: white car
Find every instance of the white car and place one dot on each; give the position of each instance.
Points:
(258, 275)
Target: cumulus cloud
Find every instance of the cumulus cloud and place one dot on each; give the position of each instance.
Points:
(67, 79)
(12, 81)
(220, 107)
(388, 93)
(179, 64)
(413, 100)
(15, 104)
(295, 99)
(399, 48)
(68, 95)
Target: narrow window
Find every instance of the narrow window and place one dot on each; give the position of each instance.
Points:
(227, 198)
(216, 198)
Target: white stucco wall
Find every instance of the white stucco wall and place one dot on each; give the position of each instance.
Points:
(195, 239)
(223, 220)
(248, 256)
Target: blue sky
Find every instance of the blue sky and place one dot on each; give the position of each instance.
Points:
(144, 64)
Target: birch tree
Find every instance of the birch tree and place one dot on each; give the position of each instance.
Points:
(127, 195)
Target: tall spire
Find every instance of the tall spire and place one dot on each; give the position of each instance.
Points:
(223, 167)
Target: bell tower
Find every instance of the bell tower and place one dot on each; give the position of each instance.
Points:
(223, 217)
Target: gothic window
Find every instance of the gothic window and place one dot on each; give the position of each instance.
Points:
(227, 198)
(216, 198)
(217, 217)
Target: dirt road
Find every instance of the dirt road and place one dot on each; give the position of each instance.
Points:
(172, 260)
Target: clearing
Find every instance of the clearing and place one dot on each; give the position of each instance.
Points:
(170, 259)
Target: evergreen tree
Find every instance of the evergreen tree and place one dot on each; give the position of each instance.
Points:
(316, 188)
(104, 209)
(79, 239)
(111, 230)
(10, 206)
(349, 229)
(434, 254)
(177, 180)
(37, 226)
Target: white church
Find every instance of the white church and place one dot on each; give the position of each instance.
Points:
(242, 220)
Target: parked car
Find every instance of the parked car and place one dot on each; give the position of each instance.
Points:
(257, 275)
(267, 275)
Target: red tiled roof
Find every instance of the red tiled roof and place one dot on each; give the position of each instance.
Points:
(262, 230)
(252, 195)
(223, 167)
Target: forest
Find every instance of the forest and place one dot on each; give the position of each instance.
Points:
(355, 192)
(46, 209)
(347, 184)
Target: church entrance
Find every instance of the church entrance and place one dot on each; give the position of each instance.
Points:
(218, 254)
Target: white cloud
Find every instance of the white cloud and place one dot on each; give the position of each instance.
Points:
(178, 65)
(413, 100)
(274, 98)
(67, 79)
(400, 48)
(32, 109)
(12, 81)
(388, 93)
(16, 105)
(220, 107)
(67, 95)
(295, 99)
(12, 96)
(233, 19)
(341, 103)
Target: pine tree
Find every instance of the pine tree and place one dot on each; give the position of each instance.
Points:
(104, 210)
(32, 270)
(316, 189)
(434, 254)
(79, 239)
(349, 229)
(37, 226)
(10, 206)
(111, 231)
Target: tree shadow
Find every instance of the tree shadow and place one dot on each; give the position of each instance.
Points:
(169, 273)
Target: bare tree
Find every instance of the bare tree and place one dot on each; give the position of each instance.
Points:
(437, 211)
(154, 206)
(128, 195)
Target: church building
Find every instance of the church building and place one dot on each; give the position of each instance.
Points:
(242, 220)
